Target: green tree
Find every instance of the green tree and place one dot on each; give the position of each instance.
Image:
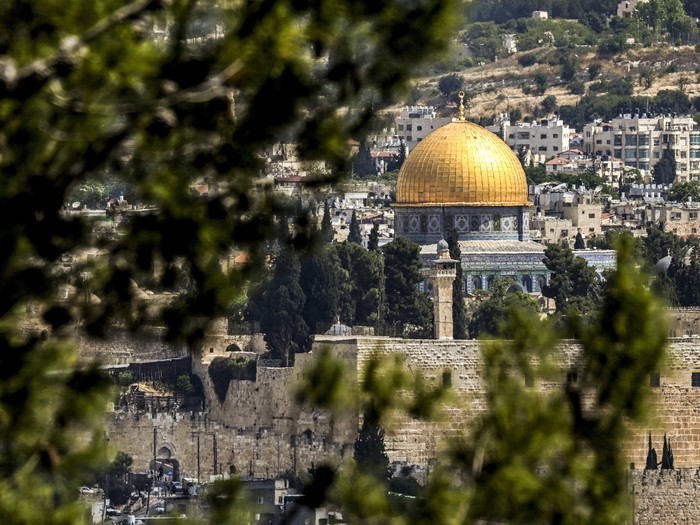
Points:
(322, 280)
(363, 165)
(369, 450)
(573, 284)
(594, 70)
(489, 313)
(579, 244)
(664, 171)
(365, 300)
(354, 234)
(448, 85)
(687, 280)
(682, 191)
(484, 41)
(281, 319)
(664, 15)
(408, 308)
(459, 314)
(327, 231)
(373, 241)
(541, 79)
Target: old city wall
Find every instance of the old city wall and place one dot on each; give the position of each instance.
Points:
(665, 496)
(260, 429)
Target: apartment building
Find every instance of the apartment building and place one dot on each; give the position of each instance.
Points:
(640, 140)
(681, 219)
(414, 123)
(544, 139)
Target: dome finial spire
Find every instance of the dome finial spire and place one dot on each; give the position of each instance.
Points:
(461, 105)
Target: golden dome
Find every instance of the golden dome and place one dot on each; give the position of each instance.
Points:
(462, 163)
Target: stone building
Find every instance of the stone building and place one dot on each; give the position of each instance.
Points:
(414, 123)
(640, 140)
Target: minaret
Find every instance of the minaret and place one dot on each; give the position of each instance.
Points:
(443, 272)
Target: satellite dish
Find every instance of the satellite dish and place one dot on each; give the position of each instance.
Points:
(75, 205)
(597, 189)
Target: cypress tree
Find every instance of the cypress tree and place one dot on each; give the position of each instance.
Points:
(285, 330)
(652, 462)
(579, 244)
(369, 450)
(354, 235)
(373, 242)
(327, 231)
(664, 171)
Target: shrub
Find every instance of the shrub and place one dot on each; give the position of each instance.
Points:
(449, 84)
(125, 378)
(527, 60)
(577, 87)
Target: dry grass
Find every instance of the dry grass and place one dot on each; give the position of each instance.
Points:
(498, 86)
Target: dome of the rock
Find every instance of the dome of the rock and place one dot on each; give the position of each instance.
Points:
(462, 163)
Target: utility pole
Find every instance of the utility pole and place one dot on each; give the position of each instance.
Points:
(216, 459)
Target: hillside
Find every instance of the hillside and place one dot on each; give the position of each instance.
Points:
(499, 86)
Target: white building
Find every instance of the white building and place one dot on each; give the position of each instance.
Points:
(540, 15)
(626, 9)
(544, 139)
(416, 122)
(640, 140)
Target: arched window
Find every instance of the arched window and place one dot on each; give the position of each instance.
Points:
(527, 283)
(476, 283)
(489, 281)
(541, 282)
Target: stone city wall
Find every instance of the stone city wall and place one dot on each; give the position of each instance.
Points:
(665, 496)
(261, 431)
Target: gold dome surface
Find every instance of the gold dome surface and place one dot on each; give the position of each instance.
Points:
(462, 163)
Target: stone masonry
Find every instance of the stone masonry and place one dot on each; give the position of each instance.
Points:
(259, 431)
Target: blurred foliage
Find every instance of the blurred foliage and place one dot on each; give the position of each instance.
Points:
(158, 95)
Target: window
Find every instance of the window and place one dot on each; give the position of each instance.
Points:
(630, 140)
(693, 215)
(655, 380)
(656, 154)
(400, 127)
(542, 148)
(556, 148)
(675, 216)
(599, 141)
(409, 138)
(695, 379)
(572, 377)
(656, 142)
(591, 215)
(543, 136)
(618, 140)
(591, 230)
(409, 127)
(555, 135)
(447, 378)
(643, 140)
(419, 128)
